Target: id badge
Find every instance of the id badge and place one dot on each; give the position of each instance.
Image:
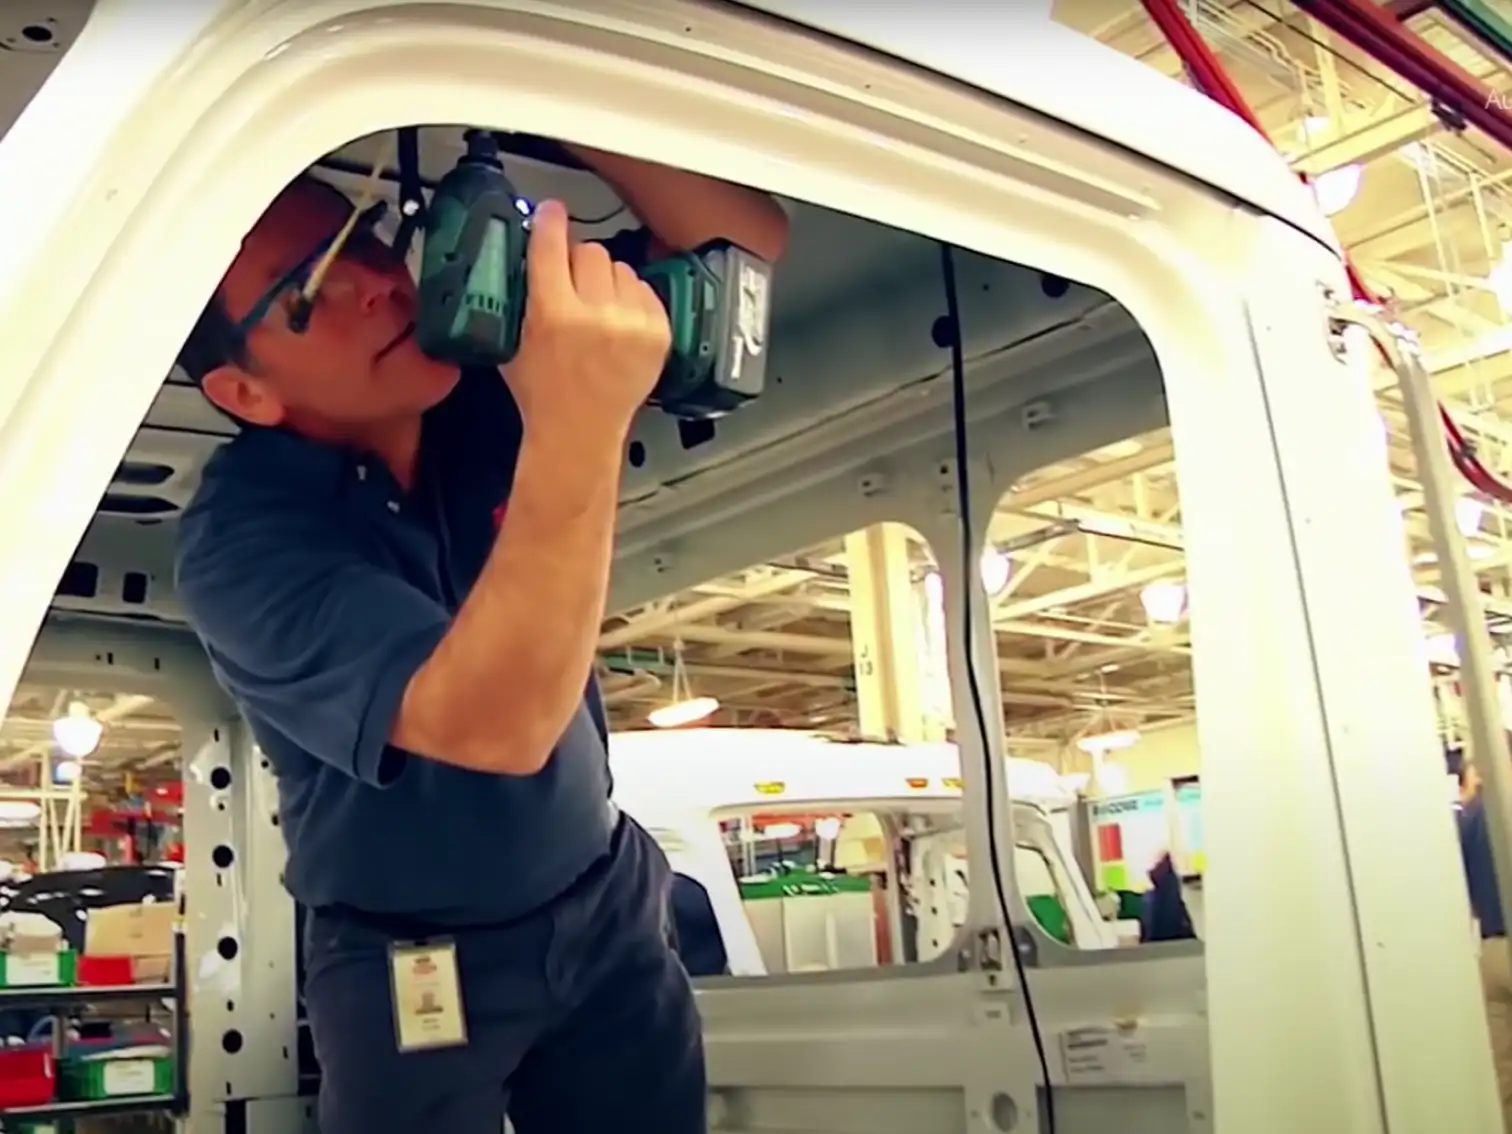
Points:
(427, 996)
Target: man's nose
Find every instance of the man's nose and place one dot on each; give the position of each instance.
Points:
(375, 289)
(363, 288)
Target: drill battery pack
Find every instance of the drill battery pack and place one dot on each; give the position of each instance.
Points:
(717, 301)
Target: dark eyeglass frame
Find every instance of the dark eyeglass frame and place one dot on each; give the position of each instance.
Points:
(299, 275)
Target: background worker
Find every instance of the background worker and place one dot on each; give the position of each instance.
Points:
(399, 574)
(1486, 905)
(1163, 914)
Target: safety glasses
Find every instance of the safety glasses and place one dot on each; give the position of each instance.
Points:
(355, 239)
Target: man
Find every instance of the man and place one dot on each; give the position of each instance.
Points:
(1486, 905)
(1163, 912)
(399, 574)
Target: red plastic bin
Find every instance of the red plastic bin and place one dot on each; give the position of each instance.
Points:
(103, 971)
(27, 1077)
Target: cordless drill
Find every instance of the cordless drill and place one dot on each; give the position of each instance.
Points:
(472, 293)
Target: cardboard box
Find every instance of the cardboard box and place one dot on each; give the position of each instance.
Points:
(143, 932)
(27, 944)
(28, 933)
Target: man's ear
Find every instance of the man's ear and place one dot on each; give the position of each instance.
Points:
(242, 396)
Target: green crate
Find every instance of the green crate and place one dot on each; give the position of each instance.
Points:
(90, 1080)
(38, 970)
(51, 1126)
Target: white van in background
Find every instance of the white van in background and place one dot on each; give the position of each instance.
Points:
(818, 854)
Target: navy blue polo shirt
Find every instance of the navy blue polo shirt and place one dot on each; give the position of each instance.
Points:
(1480, 872)
(318, 587)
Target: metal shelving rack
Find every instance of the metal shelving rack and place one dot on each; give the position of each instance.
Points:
(174, 1102)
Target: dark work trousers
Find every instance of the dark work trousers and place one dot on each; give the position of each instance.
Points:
(580, 1017)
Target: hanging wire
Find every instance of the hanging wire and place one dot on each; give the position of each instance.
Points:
(681, 690)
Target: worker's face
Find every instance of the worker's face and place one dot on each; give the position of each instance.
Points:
(356, 365)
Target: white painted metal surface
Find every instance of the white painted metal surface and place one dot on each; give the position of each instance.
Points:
(683, 781)
(1013, 51)
(724, 766)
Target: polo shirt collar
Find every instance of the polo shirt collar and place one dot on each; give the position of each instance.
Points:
(318, 467)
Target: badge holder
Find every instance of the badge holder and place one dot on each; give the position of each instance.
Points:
(426, 991)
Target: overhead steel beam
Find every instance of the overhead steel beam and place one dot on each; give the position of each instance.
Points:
(1481, 22)
(1364, 144)
(1393, 279)
(1405, 230)
(1095, 588)
(672, 617)
(1105, 472)
(1088, 638)
(1497, 342)
(1114, 525)
(1418, 228)
(1452, 381)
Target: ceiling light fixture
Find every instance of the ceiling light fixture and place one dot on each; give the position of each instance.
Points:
(1468, 512)
(1499, 279)
(685, 712)
(1164, 602)
(18, 811)
(684, 708)
(997, 569)
(1336, 189)
(77, 733)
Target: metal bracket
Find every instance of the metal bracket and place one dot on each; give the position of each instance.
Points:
(1333, 327)
(989, 951)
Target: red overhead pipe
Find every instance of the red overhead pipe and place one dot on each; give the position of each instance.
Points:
(1399, 51)
(1202, 66)
(1380, 34)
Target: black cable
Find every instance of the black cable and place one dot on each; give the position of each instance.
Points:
(412, 183)
(411, 190)
(968, 640)
(590, 222)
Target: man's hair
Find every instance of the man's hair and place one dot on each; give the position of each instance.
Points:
(215, 341)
